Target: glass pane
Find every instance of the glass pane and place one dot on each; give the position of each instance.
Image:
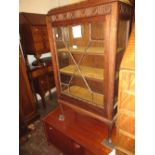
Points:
(81, 61)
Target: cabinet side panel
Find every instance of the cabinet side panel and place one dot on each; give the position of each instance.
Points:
(110, 56)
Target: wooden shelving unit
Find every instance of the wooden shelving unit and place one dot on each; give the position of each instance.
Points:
(88, 72)
(85, 94)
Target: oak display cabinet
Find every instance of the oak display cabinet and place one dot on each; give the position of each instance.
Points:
(87, 41)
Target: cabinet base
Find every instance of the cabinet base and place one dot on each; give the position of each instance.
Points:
(108, 144)
(77, 132)
(61, 117)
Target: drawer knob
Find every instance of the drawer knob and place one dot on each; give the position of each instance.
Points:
(42, 82)
(77, 146)
(50, 128)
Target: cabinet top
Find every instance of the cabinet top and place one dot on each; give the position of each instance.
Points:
(84, 4)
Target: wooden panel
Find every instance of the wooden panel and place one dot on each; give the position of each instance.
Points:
(110, 32)
(126, 101)
(26, 39)
(128, 81)
(43, 80)
(37, 38)
(97, 31)
(126, 122)
(32, 18)
(129, 57)
(46, 45)
(87, 152)
(27, 102)
(126, 108)
(41, 71)
(36, 30)
(126, 143)
(26, 99)
(39, 46)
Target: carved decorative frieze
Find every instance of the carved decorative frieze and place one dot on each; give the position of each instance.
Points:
(82, 13)
(125, 10)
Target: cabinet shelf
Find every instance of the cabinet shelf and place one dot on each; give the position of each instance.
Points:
(90, 50)
(83, 93)
(88, 72)
(79, 50)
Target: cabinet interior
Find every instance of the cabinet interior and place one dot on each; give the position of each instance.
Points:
(80, 51)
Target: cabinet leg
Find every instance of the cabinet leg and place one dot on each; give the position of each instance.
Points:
(50, 94)
(49, 88)
(108, 142)
(61, 116)
(43, 101)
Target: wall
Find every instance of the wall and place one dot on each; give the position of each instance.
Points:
(42, 6)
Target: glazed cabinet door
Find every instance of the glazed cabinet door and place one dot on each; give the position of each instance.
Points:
(80, 53)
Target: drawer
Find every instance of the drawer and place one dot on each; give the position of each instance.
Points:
(59, 140)
(44, 83)
(36, 30)
(39, 46)
(46, 45)
(77, 149)
(126, 122)
(37, 38)
(127, 101)
(125, 142)
(44, 30)
(65, 144)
